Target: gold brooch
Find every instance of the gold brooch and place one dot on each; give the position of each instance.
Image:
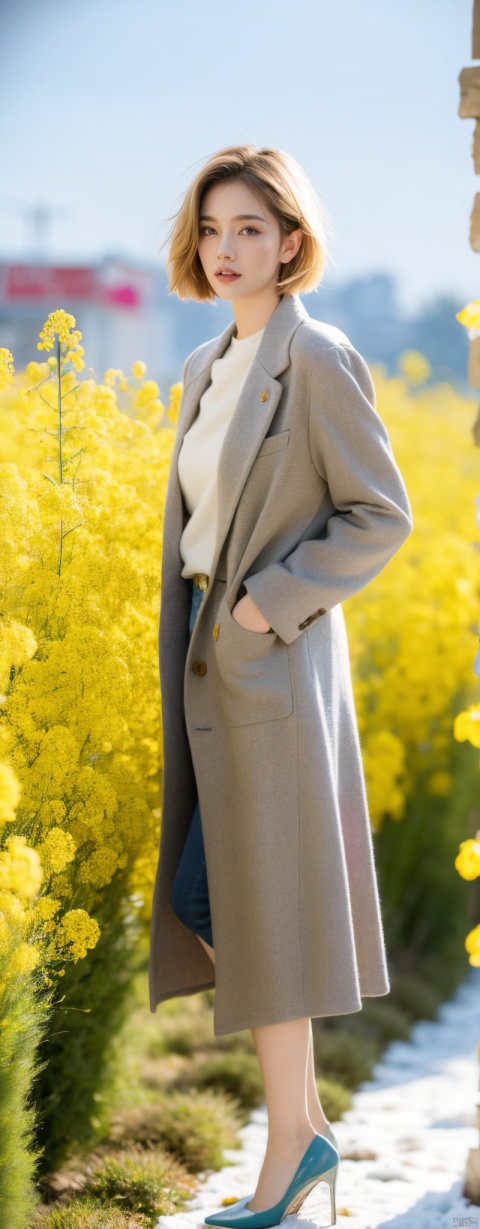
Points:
(263, 396)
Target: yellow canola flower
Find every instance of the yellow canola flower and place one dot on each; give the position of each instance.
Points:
(34, 372)
(115, 373)
(100, 867)
(23, 959)
(7, 368)
(472, 946)
(75, 359)
(17, 646)
(138, 369)
(62, 324)
(384, 761)
(46, 907)
(148, 392)
(174, 403)
(78, 932)
(52, 813)
(470, 315)
(5, 936)
(57, 850)
(414, 365)
(10, 791)
(20, 868)
(466, 725)
(13, 910)
(467, 861)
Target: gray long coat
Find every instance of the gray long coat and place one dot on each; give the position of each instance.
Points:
(311, 506)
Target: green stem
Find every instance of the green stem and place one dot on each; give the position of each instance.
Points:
(59, 371)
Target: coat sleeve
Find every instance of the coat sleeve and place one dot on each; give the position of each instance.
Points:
(351, 451)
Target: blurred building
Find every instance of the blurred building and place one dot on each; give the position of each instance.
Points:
(119, 307)
(124, 311)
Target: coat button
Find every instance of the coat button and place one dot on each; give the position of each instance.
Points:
(311, 618)
(216, 631)
(199, 667)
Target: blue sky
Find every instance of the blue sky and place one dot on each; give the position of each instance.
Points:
(108, 108)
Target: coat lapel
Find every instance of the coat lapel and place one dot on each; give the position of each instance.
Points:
(253, 412)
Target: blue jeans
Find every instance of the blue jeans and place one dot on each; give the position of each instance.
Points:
(190, 898)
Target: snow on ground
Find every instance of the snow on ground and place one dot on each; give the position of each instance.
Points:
(411, 1127)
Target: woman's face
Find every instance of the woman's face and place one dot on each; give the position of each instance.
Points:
(238, 232)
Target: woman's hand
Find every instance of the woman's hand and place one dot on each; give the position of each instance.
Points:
(251, 617)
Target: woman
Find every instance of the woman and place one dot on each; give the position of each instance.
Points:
(283, 499)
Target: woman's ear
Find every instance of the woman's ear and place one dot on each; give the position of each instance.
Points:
(291, 246)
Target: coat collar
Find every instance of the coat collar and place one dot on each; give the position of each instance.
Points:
(274, 348)
(253, 412)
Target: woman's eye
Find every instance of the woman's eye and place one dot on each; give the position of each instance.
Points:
(204, 229)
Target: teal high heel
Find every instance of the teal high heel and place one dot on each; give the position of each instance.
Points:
(319, 1164)
(332, 1138)
(333, 1141)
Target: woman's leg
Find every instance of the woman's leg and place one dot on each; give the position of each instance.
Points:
(315, 1109)
(190, 898)
(283, 1055)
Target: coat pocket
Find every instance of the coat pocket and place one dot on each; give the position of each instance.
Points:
(273, 443)
(254, 668)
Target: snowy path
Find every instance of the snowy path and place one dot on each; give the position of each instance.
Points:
(414, 1122)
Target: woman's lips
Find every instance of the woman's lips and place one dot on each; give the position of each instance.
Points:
(227, 277)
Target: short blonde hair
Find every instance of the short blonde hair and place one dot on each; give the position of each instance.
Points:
(280, 182)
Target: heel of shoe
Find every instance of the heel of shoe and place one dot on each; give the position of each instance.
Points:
(331, 1178)
(333, 1139)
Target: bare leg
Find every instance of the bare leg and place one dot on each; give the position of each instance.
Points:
(209, 950)
(314, 1105)
(294, 1109)
(283, 1055)
(315, 1110)
(316, 1113)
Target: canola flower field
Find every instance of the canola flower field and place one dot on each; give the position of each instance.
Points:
(83, 473)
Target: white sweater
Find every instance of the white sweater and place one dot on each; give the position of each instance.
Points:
(198, 456)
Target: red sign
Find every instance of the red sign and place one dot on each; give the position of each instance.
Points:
(108, 285)
(41, 282)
